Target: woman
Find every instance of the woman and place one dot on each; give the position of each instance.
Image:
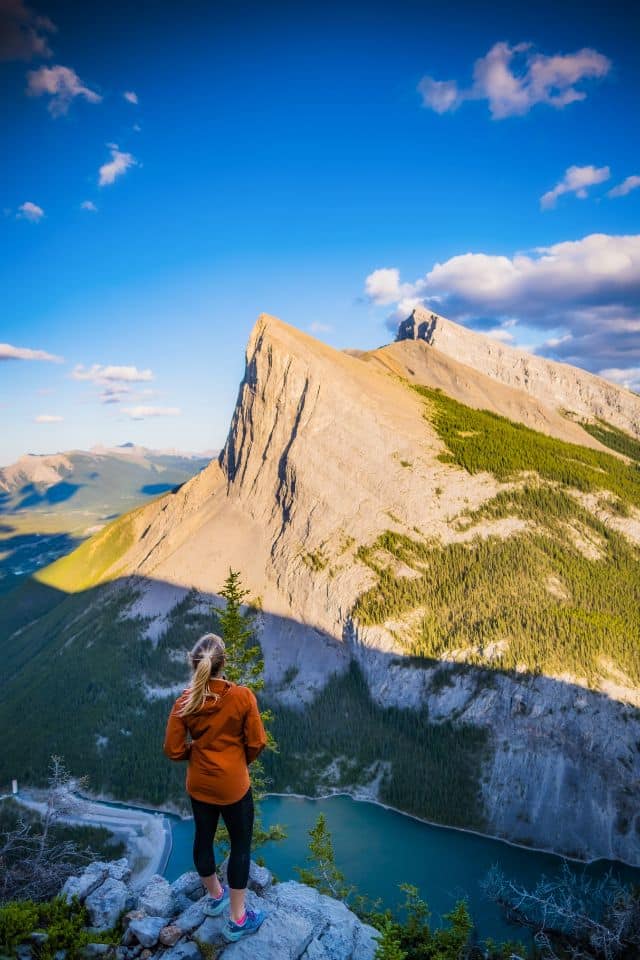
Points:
(225, 731)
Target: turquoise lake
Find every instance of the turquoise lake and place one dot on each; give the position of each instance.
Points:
(378, 849)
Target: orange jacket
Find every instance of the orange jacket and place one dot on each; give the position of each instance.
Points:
(226, 735)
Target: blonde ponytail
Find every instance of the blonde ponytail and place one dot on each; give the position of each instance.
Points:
(206, 659)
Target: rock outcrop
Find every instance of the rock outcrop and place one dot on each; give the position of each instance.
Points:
(168, 921)
(556, 384)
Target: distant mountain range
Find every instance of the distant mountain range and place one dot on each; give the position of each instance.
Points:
(49, 503)
(444, 535)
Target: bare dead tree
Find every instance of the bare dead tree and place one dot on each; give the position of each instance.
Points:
(574, 917)
(34, 863)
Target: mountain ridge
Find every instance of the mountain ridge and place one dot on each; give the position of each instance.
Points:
(555, 383)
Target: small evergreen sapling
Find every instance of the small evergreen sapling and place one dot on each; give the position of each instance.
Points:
(244, 664)
(323, 874)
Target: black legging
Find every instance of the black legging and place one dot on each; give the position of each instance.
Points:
(238, 819)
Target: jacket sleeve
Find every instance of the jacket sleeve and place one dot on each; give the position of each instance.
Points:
(255, 738)
(175, 738)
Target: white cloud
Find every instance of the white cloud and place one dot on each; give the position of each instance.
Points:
(89, 205)
(116, 167)
(114, 393)
(142, 412)
(48, 418)
(584, 293)
(62, 84)
(130, 96)
(501, 333)
(627, 185)
(383, 285)
(629, 377)
(316, 327)
(30, 211)
(23, 34)
(9, 352)
(441, 95)
(105, 375)
(576, 180)
(513, 79)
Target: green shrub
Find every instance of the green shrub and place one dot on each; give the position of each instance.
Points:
(64, 923)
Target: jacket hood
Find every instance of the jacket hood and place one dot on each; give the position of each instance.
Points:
(218, 690)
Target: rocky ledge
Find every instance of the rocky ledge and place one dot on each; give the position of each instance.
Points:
(168, 921)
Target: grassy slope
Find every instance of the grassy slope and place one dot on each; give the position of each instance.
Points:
(94, 560)
(535, 594)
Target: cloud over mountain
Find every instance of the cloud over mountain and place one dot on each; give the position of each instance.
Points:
(585, 292)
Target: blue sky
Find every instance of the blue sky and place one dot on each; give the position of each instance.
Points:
(294, 159)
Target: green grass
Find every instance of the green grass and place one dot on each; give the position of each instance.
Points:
(535, 592)
(93, 560)
(478, 440)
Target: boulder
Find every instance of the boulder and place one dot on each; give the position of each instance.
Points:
(192, 917)
(170, 934)
(366, 943)
(91, 950)
(106, 903)
(283, 936)
(88, 881)
(260, 878)
(157, 898)
(181, 902)
(146, 930)
(184, 950)
(189, 884)
(119, 869)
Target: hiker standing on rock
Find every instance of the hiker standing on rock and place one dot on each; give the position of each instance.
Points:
(216, 726)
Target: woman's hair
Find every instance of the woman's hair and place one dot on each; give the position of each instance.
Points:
(206, 659)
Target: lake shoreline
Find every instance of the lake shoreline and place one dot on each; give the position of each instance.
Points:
(360, 798)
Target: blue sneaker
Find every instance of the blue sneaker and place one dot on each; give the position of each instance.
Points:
(234, 931)
(213, 907)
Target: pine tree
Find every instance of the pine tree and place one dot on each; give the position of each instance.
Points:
(323, 873)
(389, 943)
(244, 664)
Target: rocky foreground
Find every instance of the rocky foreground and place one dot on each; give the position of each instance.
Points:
(168, 920)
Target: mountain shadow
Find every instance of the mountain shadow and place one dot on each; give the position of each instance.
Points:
(94, 676)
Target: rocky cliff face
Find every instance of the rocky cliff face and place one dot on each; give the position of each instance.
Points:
(168, 921)
(556, 384)
(326, 451)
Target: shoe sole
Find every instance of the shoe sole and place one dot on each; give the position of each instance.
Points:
(235, 936)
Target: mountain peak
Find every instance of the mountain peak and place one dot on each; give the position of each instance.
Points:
(558, 385)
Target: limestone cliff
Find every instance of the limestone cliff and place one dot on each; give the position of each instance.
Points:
(558, 385)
